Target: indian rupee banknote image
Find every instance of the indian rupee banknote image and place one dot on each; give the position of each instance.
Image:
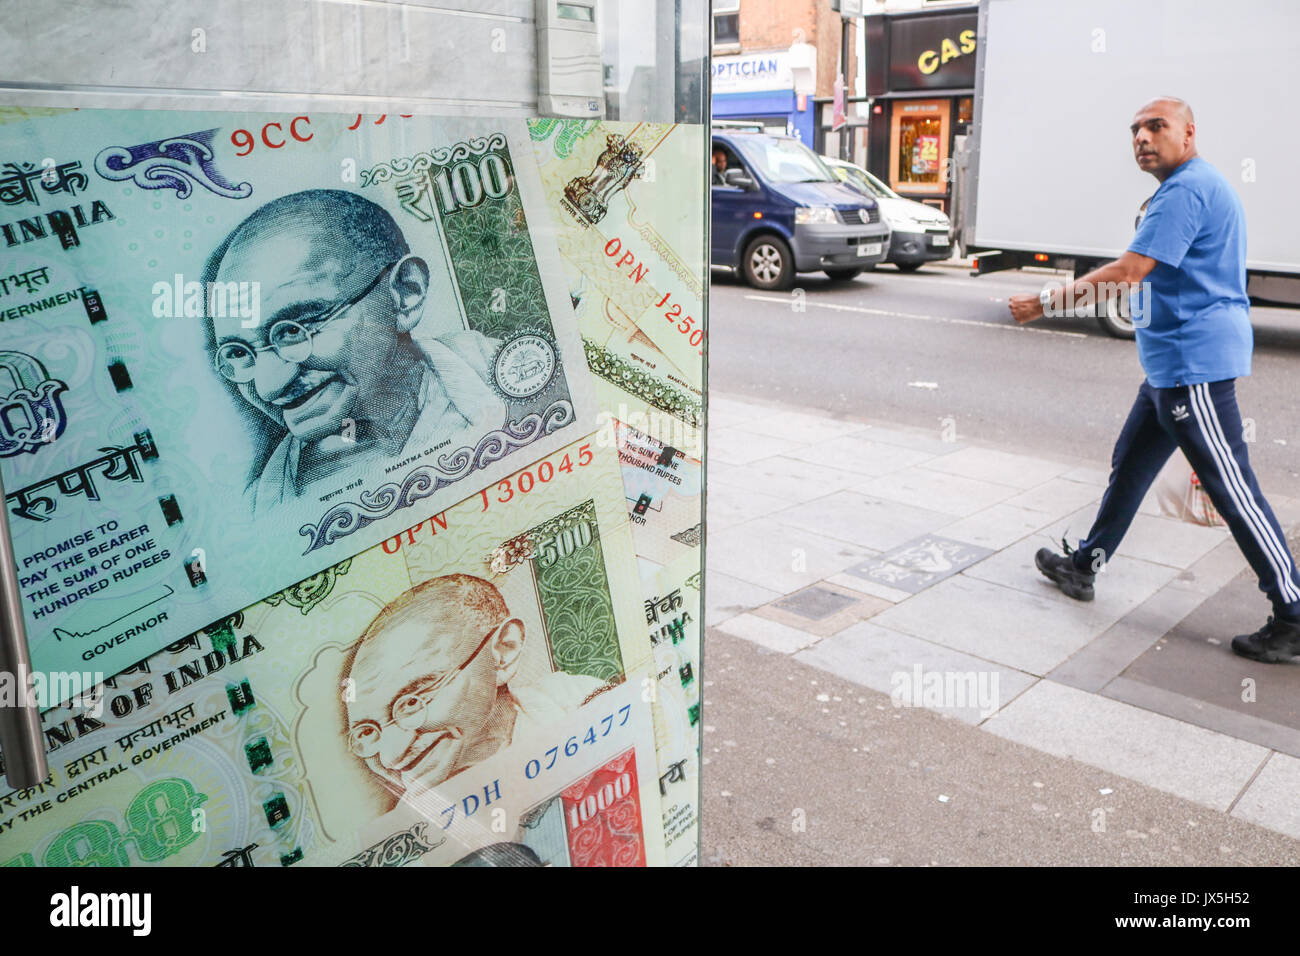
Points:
(581, 792)
(673, 614)
(237, 348)
(663, 485)
(627, 207)
(335, 720)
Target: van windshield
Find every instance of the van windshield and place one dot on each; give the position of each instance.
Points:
(784, 161)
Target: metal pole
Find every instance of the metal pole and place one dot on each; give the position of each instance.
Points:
(846, 131)
(20, 724)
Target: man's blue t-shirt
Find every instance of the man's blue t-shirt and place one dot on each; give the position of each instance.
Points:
(1198, 311)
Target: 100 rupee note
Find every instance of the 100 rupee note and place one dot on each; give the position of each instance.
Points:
(237, 348)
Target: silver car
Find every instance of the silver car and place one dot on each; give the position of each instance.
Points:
(920, 233)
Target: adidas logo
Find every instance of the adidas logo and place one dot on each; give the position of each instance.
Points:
(1180, 412)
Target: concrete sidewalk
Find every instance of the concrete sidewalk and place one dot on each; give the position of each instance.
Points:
(901, 563)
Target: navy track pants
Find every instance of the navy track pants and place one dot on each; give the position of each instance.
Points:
(1204, 422)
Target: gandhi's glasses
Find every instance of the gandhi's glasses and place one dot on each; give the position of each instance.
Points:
(409, 709)
(291, 339)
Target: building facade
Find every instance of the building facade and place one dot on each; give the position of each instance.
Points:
(920, 81)
(773, 59)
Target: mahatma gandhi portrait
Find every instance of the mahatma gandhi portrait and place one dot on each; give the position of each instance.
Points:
(433, 689)
(332, 376)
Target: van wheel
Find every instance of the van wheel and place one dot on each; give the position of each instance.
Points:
(1113, 322)
(843, 275)
(908, 266)
(768, 263)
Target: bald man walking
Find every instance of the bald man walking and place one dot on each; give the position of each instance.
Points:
(1187, 264)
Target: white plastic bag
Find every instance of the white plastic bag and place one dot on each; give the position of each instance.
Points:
(1181, 494)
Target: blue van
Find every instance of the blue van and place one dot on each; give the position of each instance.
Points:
(777, 210)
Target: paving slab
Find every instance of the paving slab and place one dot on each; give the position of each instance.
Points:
(1169, 541)
(778, 556)
(920, 563)
(867, 522)
(1210, 573)
(1057, 496)
(726, 596)
(738, 446)
(1088, 474)
(787, 478)
(997, 527)
(920, 440)
(728, 506)
(985, 464)
(1273, 798)
(936, 490)
(1028, 632)
(769, 634)
(804, 428)
(724, 411)
(888, 661)
(1191, 762)
(1121, 586)
(860, 455)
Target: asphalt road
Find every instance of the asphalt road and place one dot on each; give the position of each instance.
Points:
(916, 349)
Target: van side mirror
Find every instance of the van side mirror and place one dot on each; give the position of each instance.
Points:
(738, 178)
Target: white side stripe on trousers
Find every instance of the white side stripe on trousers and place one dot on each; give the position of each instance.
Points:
(1212, 431)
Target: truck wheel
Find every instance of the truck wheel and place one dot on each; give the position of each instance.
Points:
(1113, 322)
(768, 263)
(843, 275)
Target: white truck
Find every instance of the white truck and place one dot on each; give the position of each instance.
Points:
(1048, 176)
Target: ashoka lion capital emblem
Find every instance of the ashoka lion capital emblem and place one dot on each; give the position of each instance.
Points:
(587, 197)
(31, 414)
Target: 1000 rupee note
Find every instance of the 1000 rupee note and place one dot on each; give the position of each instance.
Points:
(236, 348)
(283, 732)
(578, 792)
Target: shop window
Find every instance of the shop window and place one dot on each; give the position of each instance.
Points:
(919, 146)
(965, 110)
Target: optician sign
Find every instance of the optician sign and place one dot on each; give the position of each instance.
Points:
(753, 72)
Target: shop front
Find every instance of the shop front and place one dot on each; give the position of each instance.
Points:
(920, 73)
(760, 88)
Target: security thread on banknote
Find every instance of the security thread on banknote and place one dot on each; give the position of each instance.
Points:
(239, 348)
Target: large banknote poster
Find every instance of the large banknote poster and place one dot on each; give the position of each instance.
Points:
(235, 348)
(342, 458)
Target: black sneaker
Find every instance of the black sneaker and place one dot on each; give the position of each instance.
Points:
(1060, 569)
(1273, 643)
